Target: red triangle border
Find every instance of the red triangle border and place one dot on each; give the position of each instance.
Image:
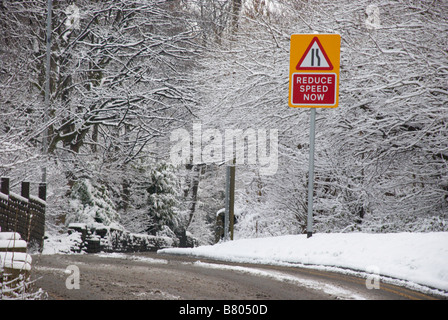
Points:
(330, 65)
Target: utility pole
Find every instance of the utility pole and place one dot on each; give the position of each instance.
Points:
(47, 90)
(229, 214)
(232, 199)
(227, 208)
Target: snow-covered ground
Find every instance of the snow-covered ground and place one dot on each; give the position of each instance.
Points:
(416, 260)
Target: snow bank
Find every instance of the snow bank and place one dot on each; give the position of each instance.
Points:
(61, 244)
(9, 236)
(15, 260)
(12, 244)
(420, 258)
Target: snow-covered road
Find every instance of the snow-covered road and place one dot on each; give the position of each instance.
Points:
(151, 276)
(415, 260)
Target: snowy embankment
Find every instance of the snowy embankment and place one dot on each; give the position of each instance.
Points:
(418, 260)
(13, 252)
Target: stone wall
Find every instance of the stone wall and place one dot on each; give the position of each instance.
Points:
(96, 239)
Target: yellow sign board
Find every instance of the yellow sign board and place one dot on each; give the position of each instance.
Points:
(314, 70)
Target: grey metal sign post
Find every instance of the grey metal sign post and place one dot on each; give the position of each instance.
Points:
(309, 226)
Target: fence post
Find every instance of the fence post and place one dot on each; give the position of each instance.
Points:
(25, 189)
(5, 186)
(25, 192)
(43, 191)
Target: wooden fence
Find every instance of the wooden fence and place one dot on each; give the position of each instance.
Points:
(24, 213)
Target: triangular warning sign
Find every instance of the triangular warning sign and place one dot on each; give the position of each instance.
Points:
(314, 58)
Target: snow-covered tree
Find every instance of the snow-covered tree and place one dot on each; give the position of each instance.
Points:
(151, 197)
(91, 203)
(380, 156)
(125, 73)
(119, 82)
